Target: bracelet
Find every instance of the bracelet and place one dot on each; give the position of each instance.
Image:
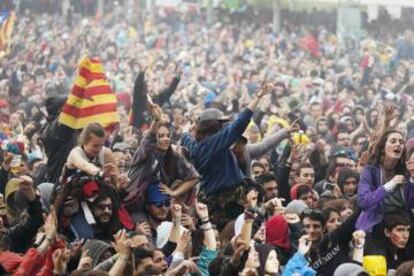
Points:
(204, 219)
(207, 225)
(204, 222)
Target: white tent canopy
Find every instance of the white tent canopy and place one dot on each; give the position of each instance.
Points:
(401, 3)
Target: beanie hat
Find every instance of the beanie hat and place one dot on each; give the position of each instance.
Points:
(45, 190)
(344, 175)
(349, 269)
(96, 249)
(277, 232)
(296, 206)
(53, 104)
(154, 195)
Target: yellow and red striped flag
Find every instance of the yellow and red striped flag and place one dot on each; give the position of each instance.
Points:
(7, 19)
(91, 99)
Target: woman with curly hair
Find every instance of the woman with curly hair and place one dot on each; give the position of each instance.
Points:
(382, 183)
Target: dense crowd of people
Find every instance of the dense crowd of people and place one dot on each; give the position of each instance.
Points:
(256, 153)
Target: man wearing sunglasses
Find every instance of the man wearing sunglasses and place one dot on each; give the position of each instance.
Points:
(157, 207)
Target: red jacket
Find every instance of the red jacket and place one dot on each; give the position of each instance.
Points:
(32, 263)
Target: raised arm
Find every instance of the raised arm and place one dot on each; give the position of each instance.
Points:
(165, 94)
(231, 133)
(261, 148)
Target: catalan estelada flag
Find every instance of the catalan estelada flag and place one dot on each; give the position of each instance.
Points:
(7, 19)
(91, 99)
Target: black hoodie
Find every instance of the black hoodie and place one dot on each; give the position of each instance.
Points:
(57, 139)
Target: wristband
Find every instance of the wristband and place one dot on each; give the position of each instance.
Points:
(204, 222)
(206, 226)
(204, 219)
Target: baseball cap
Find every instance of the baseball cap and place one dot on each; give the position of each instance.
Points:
(212, 114)
(154, 195)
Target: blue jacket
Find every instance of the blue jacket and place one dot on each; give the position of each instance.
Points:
(298, 265)
(213, 158)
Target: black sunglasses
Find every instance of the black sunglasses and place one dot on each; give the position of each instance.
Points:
(160, 204)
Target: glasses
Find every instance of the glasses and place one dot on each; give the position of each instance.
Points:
(160, 204)
(104, 207)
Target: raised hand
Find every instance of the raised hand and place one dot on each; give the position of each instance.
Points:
(85, 261)
(358, 238)
(188, 222)
(51, 224)
(390, 113)
(184, 242)
(252, 198)
(166, 190)
(27, 187)
(265, 88)
(60, 259)
(304, 245)
(144, 228)
(155, 111)
(122, 244)
(293, 127)
(176, 212)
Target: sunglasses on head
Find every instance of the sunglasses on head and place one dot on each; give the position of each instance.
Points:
(160, 204)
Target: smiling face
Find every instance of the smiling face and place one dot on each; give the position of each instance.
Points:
(394, 146)
(103, 211)
(163, 138)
